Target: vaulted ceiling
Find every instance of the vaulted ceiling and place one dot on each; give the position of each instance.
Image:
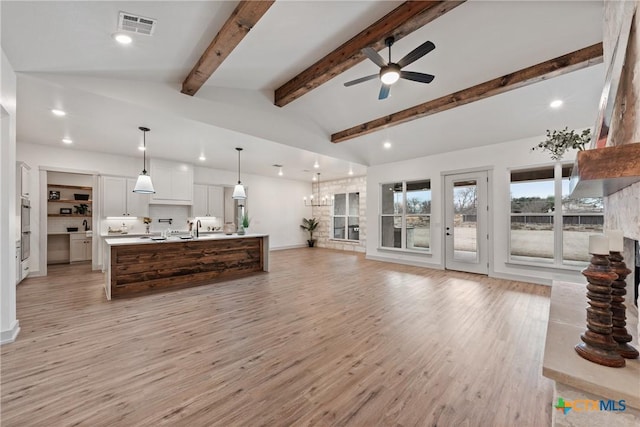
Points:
(66, 58)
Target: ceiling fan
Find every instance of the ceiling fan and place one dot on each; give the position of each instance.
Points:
(390, 72)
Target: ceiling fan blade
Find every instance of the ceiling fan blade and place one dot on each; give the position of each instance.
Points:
(416, 53)
(384, 91)
(361, 79)
(374, 56)
(417, 77)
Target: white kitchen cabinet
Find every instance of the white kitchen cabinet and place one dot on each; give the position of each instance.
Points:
(199, 207)
(172, 181)
(120, 200)
(137, 204)
(208, 200)
(79, 247)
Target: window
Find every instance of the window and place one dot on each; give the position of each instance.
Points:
(346, 216)
(547, 226)
(405, 215)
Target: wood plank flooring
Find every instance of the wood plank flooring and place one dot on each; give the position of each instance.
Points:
(326, 338)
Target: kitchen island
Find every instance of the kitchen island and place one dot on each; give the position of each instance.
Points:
(145, 264)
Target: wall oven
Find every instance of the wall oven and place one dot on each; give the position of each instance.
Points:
(25, 225)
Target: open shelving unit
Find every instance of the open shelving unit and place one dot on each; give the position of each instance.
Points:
(65, 247)
(66, 197)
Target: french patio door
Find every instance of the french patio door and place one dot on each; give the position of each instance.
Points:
(466, 215)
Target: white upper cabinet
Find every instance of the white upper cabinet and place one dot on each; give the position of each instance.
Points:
(199, 207)
(172, 181)
(208, 200)
(118, 198)
(215, 201)
(137, 204)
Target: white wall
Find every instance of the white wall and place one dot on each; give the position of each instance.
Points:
(499, 158)
(275, 204)
(9, 325)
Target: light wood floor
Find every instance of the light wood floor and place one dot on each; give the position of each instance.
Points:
(326, 338)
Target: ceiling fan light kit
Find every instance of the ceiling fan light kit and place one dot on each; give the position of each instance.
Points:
(391, 72)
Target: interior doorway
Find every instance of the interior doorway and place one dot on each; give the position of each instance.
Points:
(466, 217)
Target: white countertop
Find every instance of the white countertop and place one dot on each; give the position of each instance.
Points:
(154, 234)
(145, 239)
(88, 233)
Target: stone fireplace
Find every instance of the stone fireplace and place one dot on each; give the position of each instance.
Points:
(576, 378)
(622, 208)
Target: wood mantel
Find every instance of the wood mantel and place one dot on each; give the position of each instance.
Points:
(604, 171)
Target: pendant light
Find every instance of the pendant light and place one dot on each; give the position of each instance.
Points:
(238, 190)
(143, 184)
(317, 201)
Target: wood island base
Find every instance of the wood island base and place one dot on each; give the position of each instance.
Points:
(141, 267)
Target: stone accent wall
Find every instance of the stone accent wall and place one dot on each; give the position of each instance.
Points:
(324, 213)
(621, 208)
(622, 211)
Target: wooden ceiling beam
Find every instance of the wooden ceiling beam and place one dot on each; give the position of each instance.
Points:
(564, 64)
(243, 18)
(401, 21)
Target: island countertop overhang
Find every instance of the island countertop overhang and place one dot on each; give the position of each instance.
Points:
(141, 240)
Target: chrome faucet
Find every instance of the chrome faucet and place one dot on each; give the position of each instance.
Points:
(198, 225)
(85, 224)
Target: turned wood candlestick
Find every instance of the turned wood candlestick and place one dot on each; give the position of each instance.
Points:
(597, 344)
(618, 309)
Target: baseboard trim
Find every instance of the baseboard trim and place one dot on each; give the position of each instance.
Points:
(282, 248)
(404, 262)
(522, 278)
(10, 335)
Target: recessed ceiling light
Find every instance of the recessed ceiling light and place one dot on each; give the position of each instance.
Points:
(387, 145)
(58, 113)
(316, 165)
(314, 178)
(556, 103)
(67, 140)
(350, 171)
(122, 38)
(202, 158)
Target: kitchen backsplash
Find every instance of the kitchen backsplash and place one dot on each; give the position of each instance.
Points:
(178, 214)
(60, 224)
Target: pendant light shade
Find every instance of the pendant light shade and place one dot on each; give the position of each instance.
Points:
(238, 190)
(143, 184)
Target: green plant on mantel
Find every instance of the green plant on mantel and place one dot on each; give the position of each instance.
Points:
(559, 141)
(246, 221)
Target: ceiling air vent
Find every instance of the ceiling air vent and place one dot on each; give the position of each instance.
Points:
(136, 24)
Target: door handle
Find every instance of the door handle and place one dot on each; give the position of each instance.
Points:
(448, 234)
